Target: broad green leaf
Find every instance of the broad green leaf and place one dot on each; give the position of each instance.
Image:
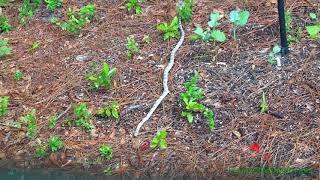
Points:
(313, 16)
(263, 103)
(189, 117)
(174, 22)
(112, 72)
(214, 17)
(218, 35)
(115, 113)
(154, 142)
(162, 134)
(163, 144)
(243, 18)
(276, 49)
(313, 31)
(199, 31)
(234, 16)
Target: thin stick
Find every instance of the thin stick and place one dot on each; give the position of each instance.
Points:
(165, 80)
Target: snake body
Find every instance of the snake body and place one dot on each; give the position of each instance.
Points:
(165, 79)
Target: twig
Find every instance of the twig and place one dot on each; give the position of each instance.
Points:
(165, 80)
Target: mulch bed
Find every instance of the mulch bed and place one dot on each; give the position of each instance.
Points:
(234, 75)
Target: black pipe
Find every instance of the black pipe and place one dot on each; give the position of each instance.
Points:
(283, 33)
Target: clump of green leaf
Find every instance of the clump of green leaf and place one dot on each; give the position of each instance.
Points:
(111, 110)
(132, 46)
(41, 150)
(18, 75)
(52, 122)
(28, 9)
(263, 103)
(5, 2)
(238, 18)
(54, 143)
(76, 20)
(211, 33)
(135, 5)
(35, 45)
(105, 151)
(4, 48)
(314, 30)
(53, 4)
(191, 103)
(4, 102)
(103, 79)
(170, 31)
(4, 24)
(30, 121)
(82, 116)
(185, 10)
(159, 140)
(272, 55)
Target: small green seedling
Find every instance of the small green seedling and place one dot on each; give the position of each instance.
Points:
(82, 116)
(54, 143)
(291, 36)
(76, 20)
(135, 5)
(170, 31)
(41, 150)
(4, 102)
(211, 33)
(272, 55)
(263, 103)
(238, 18)
(52, 122)
(191, 99)
(35, 45)
(28, 9)
(105, 151)
(111, 110)
(185, 10)
(132, 46)
(159, 140)
(4, 24)
(30, 120)
(18, 75)
(314, 30)
(4, 48)
(103, 79)
(53, 4)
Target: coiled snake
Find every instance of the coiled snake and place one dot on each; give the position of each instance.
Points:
(165, 79)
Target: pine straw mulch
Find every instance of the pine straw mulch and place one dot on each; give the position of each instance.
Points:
(234, 75)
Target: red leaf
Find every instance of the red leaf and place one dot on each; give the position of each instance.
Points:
(255, 147)
(145, 146)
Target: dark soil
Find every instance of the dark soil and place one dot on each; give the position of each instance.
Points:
(234, 76)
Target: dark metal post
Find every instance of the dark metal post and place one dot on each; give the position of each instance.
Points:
(283, 34)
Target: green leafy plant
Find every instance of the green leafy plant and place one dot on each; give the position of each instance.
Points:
(5, 2)
(53, 4)
(105, 151)
(4, 24)
(263, 103)
(35, 45)
(191, 103)
(4, 48)
(314, 30)
(28, 9)
(103, 79)
(76, 20)
(41, 150)
(132, 46)
(272, 55)
(291, 36)
(52, 122)
(82, 115)
(159, 140)
(170, 31)
(30, 120)
(185, 10)
(211, 33)
(54, 143)
(135, 5)
(18, 75)
(4, 102)
(111, 110)
(238, 18)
